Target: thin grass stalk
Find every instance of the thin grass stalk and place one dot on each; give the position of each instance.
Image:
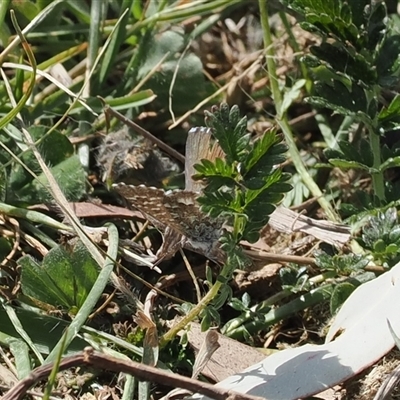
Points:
(281, 118)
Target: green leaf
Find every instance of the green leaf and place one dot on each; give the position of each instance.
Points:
(267, 153)
(138, 99)
(22, 359)
(69, 174)
(218, 204)
(238, 305)
(28, 9)
(291, 95)
(392, 111)
(206, 320)
(382, 236)
(64, 165)
(215, 314)
(376, 22)
(64, 278)
(338, 98)
(392, 249)
(246, 299)
(340, 294)
(44, 330)
(348, 164)
(224, 295)
(169, 76)
(358, 156)
(344, 59)
(230, 131)
(217, 174)
(394, 234)
(343, 264)
(47, 143)
(117, 40)
(388, 63)
(390, 163)
(332, 18)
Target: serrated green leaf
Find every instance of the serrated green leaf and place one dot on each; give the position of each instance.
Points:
(376, 23)
(388, 63)
(326, 74)
(337, 97)
(230, 131)
(217, 204)
(217, 169)
(392, 111)
(344, 59)
(332, 17)
(321, 102)
(262, 160)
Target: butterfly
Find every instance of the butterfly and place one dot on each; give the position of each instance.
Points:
(177, 213)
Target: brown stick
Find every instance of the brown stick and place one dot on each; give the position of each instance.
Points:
(141, 371)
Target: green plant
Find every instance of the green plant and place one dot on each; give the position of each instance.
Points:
(145, 59)
(381, 237)
(63, 280)
(243, 189)
(355, 67)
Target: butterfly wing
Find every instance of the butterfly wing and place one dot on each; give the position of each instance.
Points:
(198, 147)
(159, 206)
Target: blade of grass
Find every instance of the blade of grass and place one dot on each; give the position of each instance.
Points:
(33, 216)
(181, 11)
(54, 81)
(3, 10)
(20, 352)
(20, 105)
(32, 25)
(57, 193)
(53, 375)
(96, 21)
(12, 315)
(116, 42)
(80, 9)
(282, 121)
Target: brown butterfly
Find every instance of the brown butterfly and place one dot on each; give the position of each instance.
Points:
(177, 213)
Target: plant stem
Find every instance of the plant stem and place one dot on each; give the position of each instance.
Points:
(309, 299)
(377, 177)
(195, 311)
(282, 120)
